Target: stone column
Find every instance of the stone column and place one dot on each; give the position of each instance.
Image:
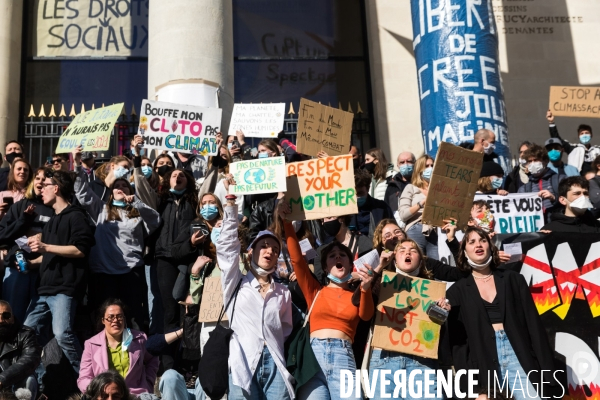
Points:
(191, 43)
(11, 24)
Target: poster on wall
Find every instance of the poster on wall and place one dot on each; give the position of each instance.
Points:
(179, 128)
(91, 28)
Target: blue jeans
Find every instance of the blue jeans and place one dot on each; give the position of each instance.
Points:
(333, 355)
(510, 367)
(18, 289)
(57, 312)
(391, 361)
(267, 382)
(429, 244)
(172, 387)
(154, 301)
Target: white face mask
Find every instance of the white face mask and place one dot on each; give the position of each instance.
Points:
(522, 162)
(535, 167)
(476, 266)
(260, 271)
(489, 149)
(580, 205)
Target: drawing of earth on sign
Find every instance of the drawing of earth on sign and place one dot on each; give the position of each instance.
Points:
(254, 176)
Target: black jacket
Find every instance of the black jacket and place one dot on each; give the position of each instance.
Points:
(513, 180)
(587, 223)
(369, 215)
(394, 190)
(473, 340)
(176, 218)
(63, 275)
(4, 178)
(19, 357)
(16, 224)
(261, 218)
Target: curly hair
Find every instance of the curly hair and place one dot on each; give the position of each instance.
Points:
(462, 262)
(423, 272)
(191, 193)
(377, 235)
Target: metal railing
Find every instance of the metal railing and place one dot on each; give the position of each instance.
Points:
(41, 132)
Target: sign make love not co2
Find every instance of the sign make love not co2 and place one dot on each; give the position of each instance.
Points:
(180, 128)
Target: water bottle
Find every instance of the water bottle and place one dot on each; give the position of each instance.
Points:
(21, 261)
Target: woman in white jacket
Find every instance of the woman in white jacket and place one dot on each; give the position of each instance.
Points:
(410, 208)
(380, 169)
(116, 262)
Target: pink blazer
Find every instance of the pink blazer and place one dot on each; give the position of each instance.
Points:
(142, 365)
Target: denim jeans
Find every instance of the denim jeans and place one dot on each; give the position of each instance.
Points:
(154, 304)
(333, 355)
(393, 361)
(172, 387)
(510, 366)
(56, 312)
(18, 289)
(267, 382)
(429, 244)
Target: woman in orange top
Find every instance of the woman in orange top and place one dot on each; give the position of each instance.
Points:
(334, 318)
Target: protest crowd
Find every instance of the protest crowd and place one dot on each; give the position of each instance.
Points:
(107, 267)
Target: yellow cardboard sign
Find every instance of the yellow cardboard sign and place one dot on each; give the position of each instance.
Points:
(91, 129)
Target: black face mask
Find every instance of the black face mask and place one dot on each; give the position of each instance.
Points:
(219, 162)
(12, 156)
(164, 169)
(332, 227)
(369, 167)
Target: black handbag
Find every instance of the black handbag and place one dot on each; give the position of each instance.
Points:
(213, 368)
(301, 361)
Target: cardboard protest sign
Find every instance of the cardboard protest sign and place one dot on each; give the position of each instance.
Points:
(179, 128)
(321, 187)
(401, 320)
(257, 120)
(264, 175)
(575, 101)
(212, 300)
(516, 212)
(91, 129)
(452, 185)
(322, 128)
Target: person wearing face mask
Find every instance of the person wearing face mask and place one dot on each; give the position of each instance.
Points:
(356, 157)
(555, 150)
(263, 314)
(484, 142)
(223, 181)
(576, 217)
(491, 179)
(12, 151)
(381, 171)
(405, 163)
(582, 154)
(542, 180)
(410, 208)
(122, 224)
(163, 164)
(519, 175)
(264, 201)
(494, 325)
(370, 209)
(333, 319)
(117, 167)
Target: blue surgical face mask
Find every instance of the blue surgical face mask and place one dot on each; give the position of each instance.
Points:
(209, 212)
(229, 145)
(178, 192)
(147, 171)
(585, 138)
(427, 172)
(214, 235)
(120, 172)
(338, 280)
(496, 182)
(119, 203)
(406, 169)
(361, 200)
(263, 155)
(554, 155)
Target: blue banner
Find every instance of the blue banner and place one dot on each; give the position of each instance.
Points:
(460, 89)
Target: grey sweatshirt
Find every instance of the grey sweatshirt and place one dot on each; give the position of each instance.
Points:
(119, 244)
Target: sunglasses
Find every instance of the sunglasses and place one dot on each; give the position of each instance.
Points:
(111, 318)
(57, 161)
(6, 315)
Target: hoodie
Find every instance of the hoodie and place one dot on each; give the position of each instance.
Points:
(584, 224)
(62, 275)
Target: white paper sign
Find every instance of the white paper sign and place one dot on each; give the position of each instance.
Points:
(515, 250)
(264, 175)
(371, 258)
(22, 243)
(257, 120)
(307, 249)
(179, 128)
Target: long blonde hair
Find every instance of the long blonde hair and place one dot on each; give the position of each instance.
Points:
(420, 165)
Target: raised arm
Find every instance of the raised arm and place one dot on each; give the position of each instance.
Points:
(150, 216)
(554, 132)
(87, 198)
(228, 252)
